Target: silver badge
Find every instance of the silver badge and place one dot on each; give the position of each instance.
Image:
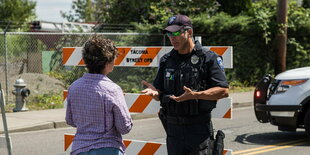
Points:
(194, 59)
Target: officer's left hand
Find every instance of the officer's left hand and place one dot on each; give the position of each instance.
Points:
(187, 95)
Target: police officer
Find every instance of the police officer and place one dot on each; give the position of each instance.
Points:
(189, 81)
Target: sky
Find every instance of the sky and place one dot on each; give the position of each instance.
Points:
(49, 10)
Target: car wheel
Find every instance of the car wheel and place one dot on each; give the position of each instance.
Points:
(307, 122)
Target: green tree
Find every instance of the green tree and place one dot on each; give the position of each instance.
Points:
(253, 39)
(84, 11)
(18, 12)
(161, 10)
(235, 7)
(106, 11)
(128, 11)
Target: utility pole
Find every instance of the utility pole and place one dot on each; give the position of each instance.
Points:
(280, 65)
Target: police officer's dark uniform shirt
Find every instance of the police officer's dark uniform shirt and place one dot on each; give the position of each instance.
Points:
(199, 70)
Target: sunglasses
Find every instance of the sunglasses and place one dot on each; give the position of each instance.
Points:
(175, 34)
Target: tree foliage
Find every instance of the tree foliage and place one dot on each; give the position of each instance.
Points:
(235, 7)
(128, 11)
(253, 39)
(84, 10)
(107, 11)
(17, 12)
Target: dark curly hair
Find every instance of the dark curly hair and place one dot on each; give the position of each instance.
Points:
(97, 52)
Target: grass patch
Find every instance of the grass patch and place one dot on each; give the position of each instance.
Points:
(238, 87)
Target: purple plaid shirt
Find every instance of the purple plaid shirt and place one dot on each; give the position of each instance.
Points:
(97, 108)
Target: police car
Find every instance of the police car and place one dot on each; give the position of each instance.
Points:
(285, 100)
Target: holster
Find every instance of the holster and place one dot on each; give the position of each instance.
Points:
(211, 146)
(205, 148)
(219, 143)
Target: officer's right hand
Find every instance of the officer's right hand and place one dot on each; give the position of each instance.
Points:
(150, 90)
(187, 95)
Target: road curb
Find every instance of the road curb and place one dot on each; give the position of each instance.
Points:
(34, 127)
(240, 105)
(60, 124)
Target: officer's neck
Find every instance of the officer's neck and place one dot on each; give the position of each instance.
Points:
(187, 48)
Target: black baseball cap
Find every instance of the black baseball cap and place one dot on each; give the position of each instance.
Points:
(177, 22)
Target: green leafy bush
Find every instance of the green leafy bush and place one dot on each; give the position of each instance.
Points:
(45, 101)
(68, 75)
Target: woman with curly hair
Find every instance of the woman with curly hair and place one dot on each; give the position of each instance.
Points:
(96, 105)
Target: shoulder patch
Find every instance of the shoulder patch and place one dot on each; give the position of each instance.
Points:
(220, 63)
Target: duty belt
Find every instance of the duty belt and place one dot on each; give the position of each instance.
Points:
(187, 120)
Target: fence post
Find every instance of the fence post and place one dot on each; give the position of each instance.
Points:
(6, 63)
(5, 127)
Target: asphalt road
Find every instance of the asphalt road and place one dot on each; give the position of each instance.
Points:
(244, 135)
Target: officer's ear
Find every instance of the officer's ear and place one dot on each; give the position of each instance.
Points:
(190, 32)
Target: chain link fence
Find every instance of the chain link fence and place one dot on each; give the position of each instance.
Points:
(39, 56)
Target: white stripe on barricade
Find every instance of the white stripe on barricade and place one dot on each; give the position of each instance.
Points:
(140, 56)
(144, 148)
(135, 147)
(223, 108)
(140, 103)
(65, 94)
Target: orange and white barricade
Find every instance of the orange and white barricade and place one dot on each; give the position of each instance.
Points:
(136, 147)
(140, 103)
(139, 56)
